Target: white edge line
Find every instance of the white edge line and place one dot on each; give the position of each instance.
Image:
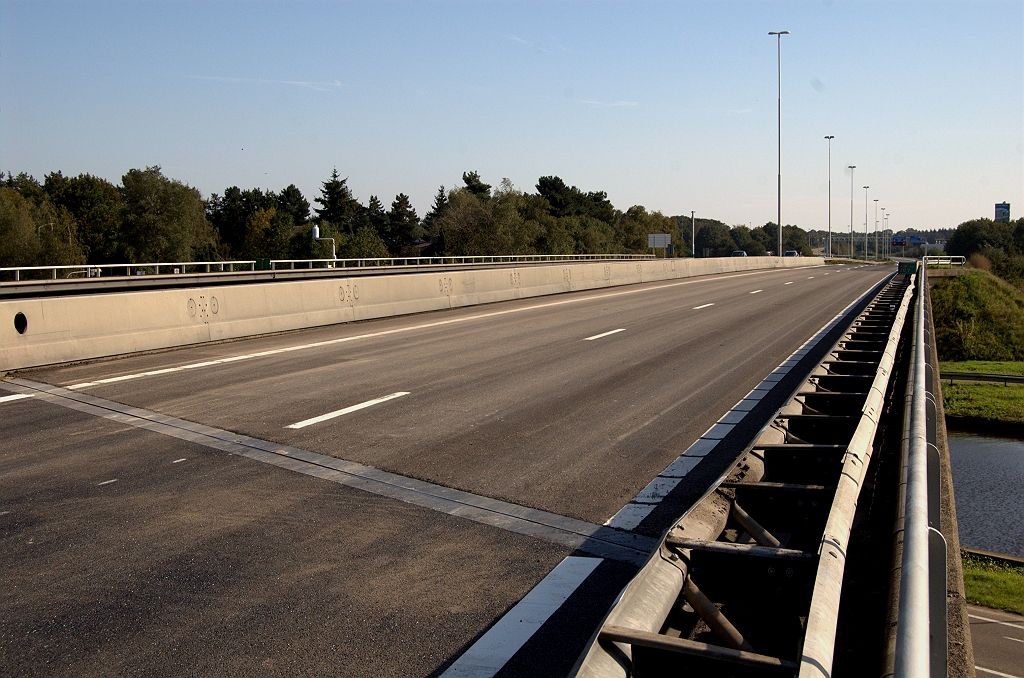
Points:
(492, 651)
(994, 673)
(16, 396)
(996, 621)
(337, 413)
(697, 308)
(598, 336)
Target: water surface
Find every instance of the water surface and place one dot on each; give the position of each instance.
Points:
(988, 484)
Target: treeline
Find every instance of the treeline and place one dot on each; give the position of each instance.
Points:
(996, 246)
(152, 218)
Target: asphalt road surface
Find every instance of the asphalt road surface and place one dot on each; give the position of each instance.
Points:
(369, 498)
(998, 641)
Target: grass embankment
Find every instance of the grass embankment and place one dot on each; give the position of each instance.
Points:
(978, 317)
(993, 583)
(979, 327)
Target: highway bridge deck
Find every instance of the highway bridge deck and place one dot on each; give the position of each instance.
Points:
(135, 542)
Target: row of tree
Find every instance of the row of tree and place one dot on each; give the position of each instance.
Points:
(152, 218)
(997, 246)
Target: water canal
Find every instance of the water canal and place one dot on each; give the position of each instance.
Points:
(988, 484)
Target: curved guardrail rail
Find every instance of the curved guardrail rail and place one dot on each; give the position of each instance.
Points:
(748, 581)
(16, 273)
(918, 640)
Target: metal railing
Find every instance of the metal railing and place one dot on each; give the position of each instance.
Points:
(19, 273)
(945, 262)
(921, 623)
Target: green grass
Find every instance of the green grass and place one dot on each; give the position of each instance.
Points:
(985, 401)
(1012, 367)
(978, 316)
(993, 583)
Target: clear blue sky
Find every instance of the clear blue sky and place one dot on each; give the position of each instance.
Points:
(668, 105)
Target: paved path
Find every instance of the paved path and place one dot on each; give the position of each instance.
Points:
(998, 640)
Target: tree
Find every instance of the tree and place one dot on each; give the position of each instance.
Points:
(290, 201)
(337, 205)
(19, 242)
(745, 240)
(714, 236)
(164, 219)
(475, 186)
(97, 207)
(568, 201)
(230, 214)
(36, 235)
(376, 218)
(403, 225)
(26, 186)
(430, 231)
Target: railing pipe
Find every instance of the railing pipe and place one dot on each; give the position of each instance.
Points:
(913, 644)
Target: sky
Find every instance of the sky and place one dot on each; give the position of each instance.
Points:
(670, 105)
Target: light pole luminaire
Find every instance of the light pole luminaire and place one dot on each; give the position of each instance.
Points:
(829, 250)
(778, 35)
(851, 168)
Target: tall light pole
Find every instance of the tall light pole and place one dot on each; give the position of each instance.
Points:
(851, 168)
(778, 35)
(829, 139)
(866, 222)
(876, 229)
(885, 237)
(693, 233)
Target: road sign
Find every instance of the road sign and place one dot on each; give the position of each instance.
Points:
(658, 240)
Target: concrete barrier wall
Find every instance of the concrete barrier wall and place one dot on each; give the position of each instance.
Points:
(63, 329)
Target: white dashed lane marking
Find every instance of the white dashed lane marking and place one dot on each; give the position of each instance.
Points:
(605, 334)
(337, 413)
(107, 482)
(697, 308)
(16, 396)
(756, 291)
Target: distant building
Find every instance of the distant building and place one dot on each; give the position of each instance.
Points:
(1002, 211)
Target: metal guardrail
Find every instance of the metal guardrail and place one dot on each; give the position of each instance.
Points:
(767, 544)
(176, 268)
(1004, 379)
(947, 262)
(921, 623)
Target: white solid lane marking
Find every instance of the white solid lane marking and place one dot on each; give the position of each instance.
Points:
(178, 461)
(493, 650)
(1019, 640)
(346, 410)
(16, 396)
(995, 673)
(398, 330)
(996, 621)
(598, 336)
(789, 283)
(107, 482)
(756, 291)
(697, 308)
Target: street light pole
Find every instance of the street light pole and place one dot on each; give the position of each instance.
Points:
(851, 168)
(885, 238)
(779, 35)
(693, 233)
(866, 222)
(876, 229)
(829, 138)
